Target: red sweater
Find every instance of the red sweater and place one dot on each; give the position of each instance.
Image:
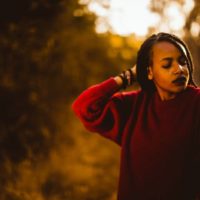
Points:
(160, 140)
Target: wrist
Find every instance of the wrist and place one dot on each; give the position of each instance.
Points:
(127, 78)
(118, 80)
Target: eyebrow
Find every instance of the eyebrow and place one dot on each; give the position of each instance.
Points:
(167, 58)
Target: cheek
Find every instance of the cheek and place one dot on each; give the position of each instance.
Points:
(161, 78)
(158, 75)
(187, 71)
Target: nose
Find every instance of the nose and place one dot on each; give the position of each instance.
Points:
(178, 68)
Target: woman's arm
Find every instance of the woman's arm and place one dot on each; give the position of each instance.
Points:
(90, 103)
(101, 108)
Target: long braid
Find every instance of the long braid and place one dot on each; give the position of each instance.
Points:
(143, 62)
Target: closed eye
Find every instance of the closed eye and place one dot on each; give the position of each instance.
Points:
(167, 65)
(167, 62)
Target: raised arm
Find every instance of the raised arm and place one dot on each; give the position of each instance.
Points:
(102, 109)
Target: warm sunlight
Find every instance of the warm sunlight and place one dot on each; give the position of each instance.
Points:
(133, 16)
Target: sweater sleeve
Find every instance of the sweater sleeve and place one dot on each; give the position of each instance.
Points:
(103, 110)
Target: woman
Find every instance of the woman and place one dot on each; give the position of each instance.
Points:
(157, 127)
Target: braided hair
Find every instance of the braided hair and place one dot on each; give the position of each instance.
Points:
(144, 58)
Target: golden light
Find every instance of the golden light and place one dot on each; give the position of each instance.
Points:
(195, 29)
(133, 16)
(175, 16)
(125, 17)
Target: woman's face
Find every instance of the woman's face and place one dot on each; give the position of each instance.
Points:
(169, 70)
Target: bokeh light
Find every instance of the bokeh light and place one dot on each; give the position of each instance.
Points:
(131, 16)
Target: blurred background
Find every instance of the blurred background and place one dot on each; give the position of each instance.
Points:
(50, 51)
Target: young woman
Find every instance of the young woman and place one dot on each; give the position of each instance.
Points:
(157, 126)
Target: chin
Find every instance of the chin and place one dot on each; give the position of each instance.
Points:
(180, 88)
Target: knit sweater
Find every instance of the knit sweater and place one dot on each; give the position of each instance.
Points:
(160, 140)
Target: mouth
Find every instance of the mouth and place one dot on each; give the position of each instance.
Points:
(180, 80)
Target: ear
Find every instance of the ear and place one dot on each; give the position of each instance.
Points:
(150, 73)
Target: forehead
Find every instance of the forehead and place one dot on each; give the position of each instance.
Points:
(164, 48)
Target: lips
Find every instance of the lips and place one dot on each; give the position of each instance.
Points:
(180, 80)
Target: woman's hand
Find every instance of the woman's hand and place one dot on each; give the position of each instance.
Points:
(127, 75)
(118, 80)
(133, 69)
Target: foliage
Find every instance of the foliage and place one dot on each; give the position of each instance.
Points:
(193, 41)
(49, 54)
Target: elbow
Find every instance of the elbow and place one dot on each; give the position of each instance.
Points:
(76, 107)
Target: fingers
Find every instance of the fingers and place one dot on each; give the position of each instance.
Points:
(134, 70)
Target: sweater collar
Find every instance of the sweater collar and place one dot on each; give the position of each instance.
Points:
(174, 100)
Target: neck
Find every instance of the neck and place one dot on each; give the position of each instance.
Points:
(166, 96)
